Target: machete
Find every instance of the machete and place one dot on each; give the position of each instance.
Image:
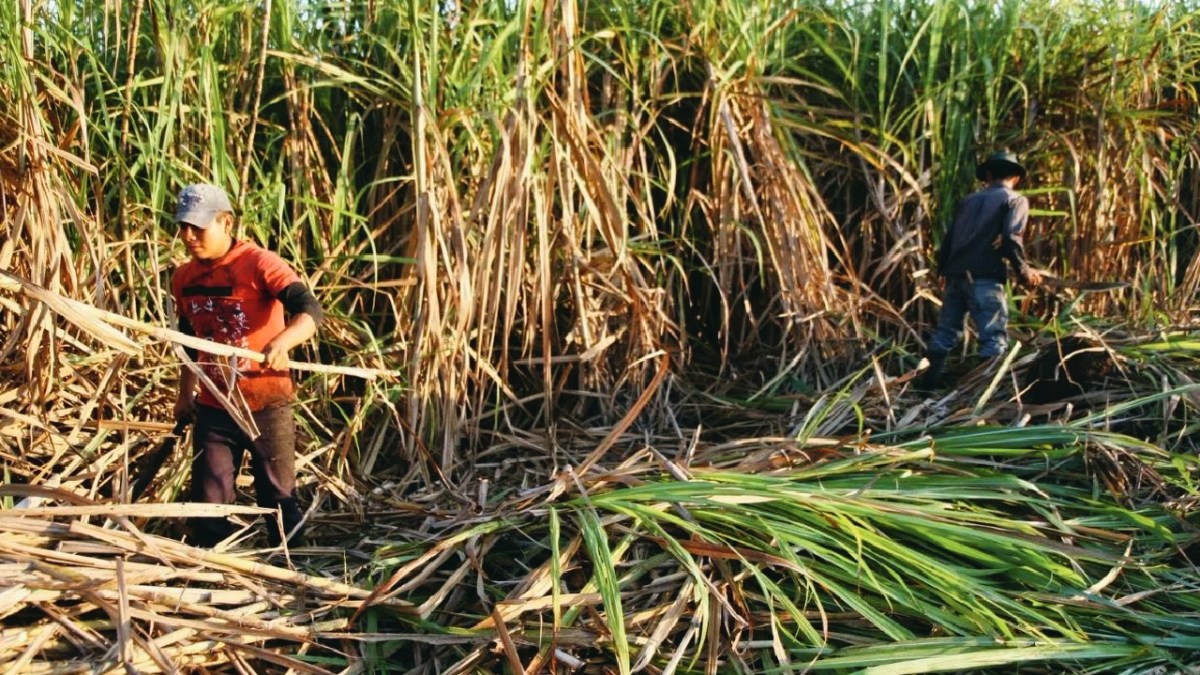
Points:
(1056, 283)
(149, 466)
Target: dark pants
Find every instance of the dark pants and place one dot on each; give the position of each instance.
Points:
(217, 449)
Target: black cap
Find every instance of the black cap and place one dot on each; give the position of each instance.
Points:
(1002, 163)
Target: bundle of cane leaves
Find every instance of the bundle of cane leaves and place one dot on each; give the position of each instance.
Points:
(1165, 377)
(900, 558)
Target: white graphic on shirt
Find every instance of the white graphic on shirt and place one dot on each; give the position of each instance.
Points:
(221, 320)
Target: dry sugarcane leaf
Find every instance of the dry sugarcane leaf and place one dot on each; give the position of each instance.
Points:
(184, 553)
(664, 627)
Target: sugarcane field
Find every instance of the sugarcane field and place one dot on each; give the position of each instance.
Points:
(571, 337)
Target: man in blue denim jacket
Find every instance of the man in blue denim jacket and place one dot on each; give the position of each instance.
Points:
(982, 243)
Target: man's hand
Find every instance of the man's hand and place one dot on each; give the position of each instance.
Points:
(276, 356)
(1031, 277)
(300, 328)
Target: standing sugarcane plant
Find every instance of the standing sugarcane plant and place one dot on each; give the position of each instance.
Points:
(741, 185)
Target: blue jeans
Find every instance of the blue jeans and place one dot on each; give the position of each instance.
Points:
(985, 300)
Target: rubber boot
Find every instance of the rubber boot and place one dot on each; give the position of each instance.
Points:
(931, 379)
(293, 522)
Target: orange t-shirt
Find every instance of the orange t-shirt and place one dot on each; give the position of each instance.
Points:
(234, 301)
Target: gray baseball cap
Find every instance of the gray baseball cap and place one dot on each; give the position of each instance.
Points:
(200, 203)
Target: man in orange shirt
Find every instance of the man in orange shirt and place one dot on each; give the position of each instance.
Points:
(237, 293)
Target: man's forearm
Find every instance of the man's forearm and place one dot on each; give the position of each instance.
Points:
(1014, 250)
(299, 328)
(187, 382)
(185, 400)
(1013, 233)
